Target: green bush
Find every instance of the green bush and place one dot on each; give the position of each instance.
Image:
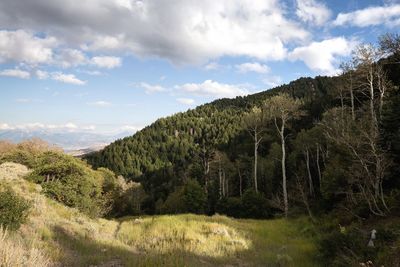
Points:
(19, 156)
(13, 209)
(69, 181)
(231, 206)
(255, 205)
(194, 197)
(174, 203)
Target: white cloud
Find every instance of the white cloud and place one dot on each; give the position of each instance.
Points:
(150, 88)
(5, 126)
(15, 73)
(322, 56)
(213, 89)
(312, 12)
(69, 126)
(186, 101)
(197, 32)
(100, 103)
(212, 66)
(131, 129)
(374, 15)
(104, 43)
(273, 81)
(67, 58)
(42, 75)
(91, 72)
(89, 127)
(252, 67)
(107, 62)
(66, 78)
(22, 46)
(28, 100)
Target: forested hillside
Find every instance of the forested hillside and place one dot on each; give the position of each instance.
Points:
(185, 145)
(328, 147)
(313, 144)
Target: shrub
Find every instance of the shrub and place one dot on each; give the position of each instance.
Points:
(69, 181)
(255, 205)
(231, 206)
(174, 203)
(194, 197)
(13, 209)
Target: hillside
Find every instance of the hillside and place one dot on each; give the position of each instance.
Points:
(56, 235)
(177, 139)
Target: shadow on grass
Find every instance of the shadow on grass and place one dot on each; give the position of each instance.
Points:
(82, 250)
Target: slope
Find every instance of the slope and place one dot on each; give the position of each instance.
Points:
(183, 138)
(58, 235)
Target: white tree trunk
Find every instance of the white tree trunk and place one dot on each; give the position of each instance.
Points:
(284, 186)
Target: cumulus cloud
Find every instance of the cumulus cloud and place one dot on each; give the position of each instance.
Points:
(322, 56)
(213, 89)
(107, 62)
(186, 101)
(66, 78)
(252, 67)
(198, 31)
(70, 58)
(375, 15)
(149, 88)
(23, 46)
(100, 103)
(312, 12)
(15, 73)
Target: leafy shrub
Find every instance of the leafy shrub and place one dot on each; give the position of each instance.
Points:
(194, 197)
(19, 156)
(13, 209)
(255, 205)
(174, 203)
(231, 206)
(69, 181)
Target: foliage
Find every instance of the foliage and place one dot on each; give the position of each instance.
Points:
(255, 205)
(14, 209)
(194, 197)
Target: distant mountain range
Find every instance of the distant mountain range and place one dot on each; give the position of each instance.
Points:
(70, 141)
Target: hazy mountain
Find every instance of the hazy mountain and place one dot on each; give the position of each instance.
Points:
(68, 140)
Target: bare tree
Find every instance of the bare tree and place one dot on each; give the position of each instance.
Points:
(254, 122)
(280, 109)
(369, 159)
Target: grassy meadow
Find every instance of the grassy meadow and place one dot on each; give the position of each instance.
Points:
(57, 235)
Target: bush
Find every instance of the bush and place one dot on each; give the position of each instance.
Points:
(255, 205)
(174, 203)
(69, 181)
(13, 209)
(194, 197)
(231, 206)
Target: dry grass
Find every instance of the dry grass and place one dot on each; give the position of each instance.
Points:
(71, 238)
(14, 253)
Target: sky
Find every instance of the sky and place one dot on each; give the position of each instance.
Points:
(117, 65)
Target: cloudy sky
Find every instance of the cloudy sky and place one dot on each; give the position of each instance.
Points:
(109, 65)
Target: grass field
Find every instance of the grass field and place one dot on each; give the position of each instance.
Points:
(57, 235)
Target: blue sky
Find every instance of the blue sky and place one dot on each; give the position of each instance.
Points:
(115, 65)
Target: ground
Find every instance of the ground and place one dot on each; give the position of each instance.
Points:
(56, 235)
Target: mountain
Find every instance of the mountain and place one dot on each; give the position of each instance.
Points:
(173, 139)
(68, 140)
